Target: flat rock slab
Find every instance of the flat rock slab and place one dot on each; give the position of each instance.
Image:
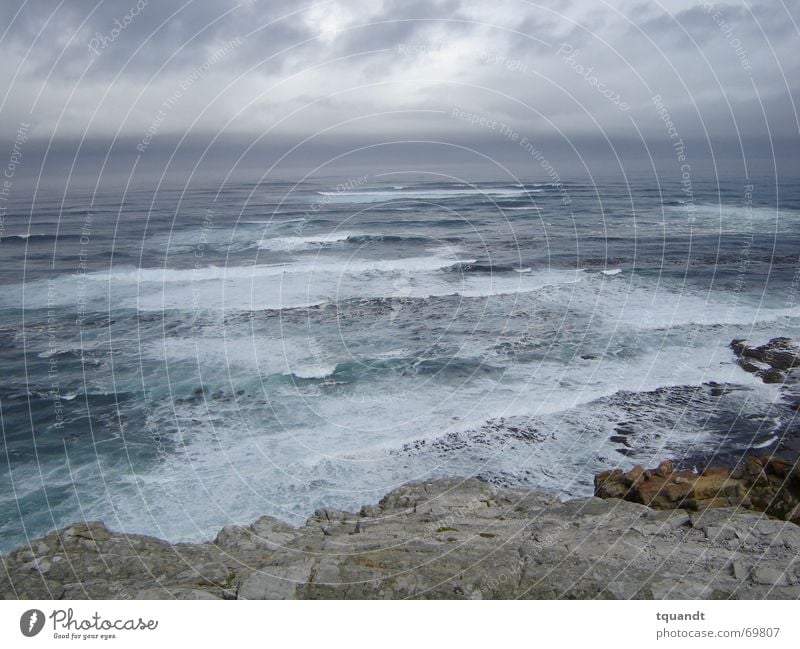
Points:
(449, 539)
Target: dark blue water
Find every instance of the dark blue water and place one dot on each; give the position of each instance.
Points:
(180, 359)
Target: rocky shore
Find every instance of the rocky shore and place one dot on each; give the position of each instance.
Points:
(660, 533)
(448, 538)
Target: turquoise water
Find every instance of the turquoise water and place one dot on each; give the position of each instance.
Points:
(174, 363)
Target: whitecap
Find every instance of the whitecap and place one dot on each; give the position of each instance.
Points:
(435, 261)
(299, 243)
(375, 196)
(313, 371)
(769, 442)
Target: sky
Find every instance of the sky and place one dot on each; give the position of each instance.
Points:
(479, 74)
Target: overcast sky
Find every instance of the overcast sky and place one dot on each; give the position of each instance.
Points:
(394, 69)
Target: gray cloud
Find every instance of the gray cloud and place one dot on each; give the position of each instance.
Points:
(398, 69)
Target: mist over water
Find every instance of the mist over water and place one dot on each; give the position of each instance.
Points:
(198, 356)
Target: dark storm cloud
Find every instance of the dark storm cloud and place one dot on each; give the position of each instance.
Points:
(171, 67)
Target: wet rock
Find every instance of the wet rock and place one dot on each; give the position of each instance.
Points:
(771, 375)
(770, 485)
(770, 361)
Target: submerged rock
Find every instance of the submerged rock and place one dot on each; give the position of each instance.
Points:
(455, 539)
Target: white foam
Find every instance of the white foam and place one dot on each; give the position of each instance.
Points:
(272, 221)
(250, 356)
(375, 196)
(766, 443)
(340, 451)
(646, 307)
(300, 243)
(734, 218)
(613, 271)
(313, 371)
(437, 260)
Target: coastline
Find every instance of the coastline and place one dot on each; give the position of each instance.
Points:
(443, 539)
(662, 533)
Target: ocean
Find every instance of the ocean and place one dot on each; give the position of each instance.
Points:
(179, 359)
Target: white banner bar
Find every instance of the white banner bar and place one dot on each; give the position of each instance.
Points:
(372, 624)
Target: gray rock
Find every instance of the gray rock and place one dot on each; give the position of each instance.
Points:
(723, 533)
(739, 570)
(769, 576)
(271, 531)
(681, 589)
(174, 593)
(276, 582)
(623, 589)
(450, 538)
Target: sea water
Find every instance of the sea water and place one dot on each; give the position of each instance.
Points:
(175, 361)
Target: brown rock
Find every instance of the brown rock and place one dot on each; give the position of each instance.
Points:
(664, 469)
(770, 485)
